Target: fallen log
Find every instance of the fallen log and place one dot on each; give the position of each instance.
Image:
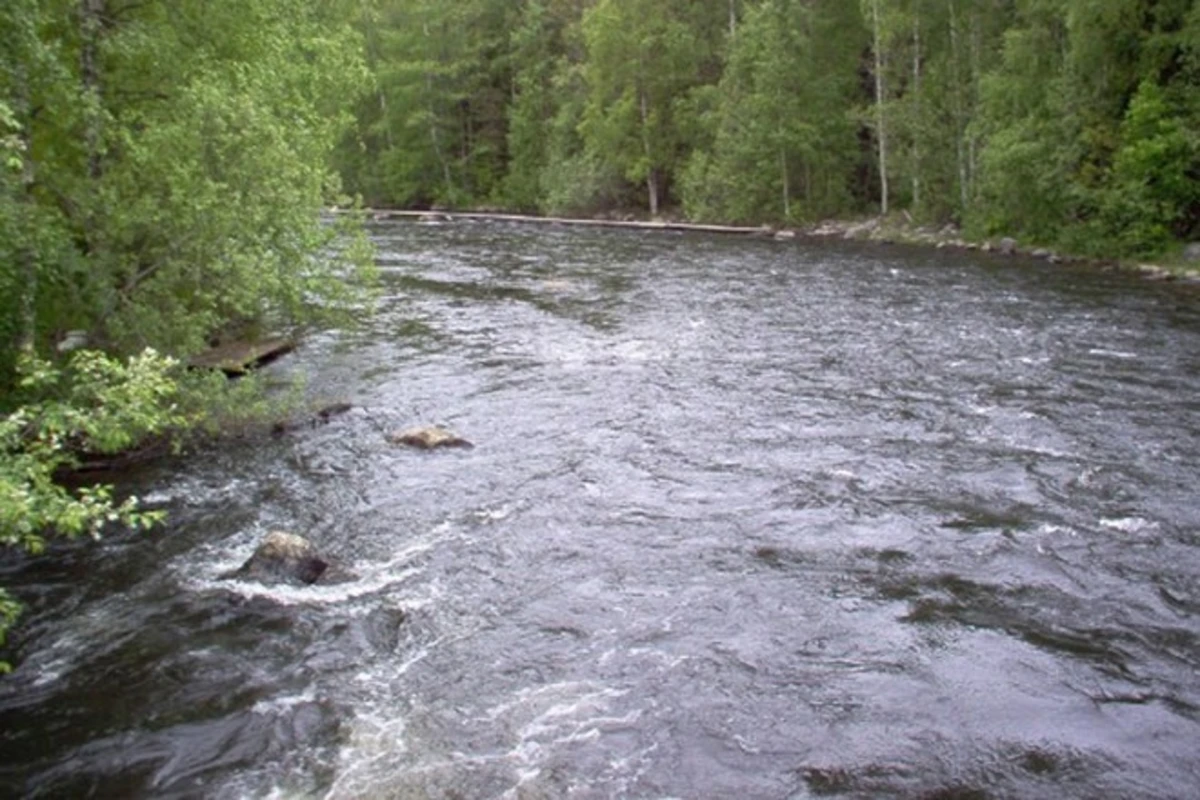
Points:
(651, 225)
(239, 357)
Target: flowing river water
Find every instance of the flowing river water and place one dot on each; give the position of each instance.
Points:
(744, 519)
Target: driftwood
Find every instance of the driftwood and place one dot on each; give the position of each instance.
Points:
(237, 358)
(451, 216)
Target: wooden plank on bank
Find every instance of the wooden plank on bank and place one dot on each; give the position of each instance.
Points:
(451, 216)
(237, 358)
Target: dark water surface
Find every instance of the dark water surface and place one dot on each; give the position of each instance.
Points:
(744, 519)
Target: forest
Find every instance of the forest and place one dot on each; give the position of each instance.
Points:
(166, 166)
(1066, 123)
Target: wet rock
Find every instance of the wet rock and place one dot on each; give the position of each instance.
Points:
(72, 340)
(333, 410)
(382, 628)
(828, 780)
(861, 230)
(1191, 253)
(428, 438)
(321, 416)
(1007, 246)
(785, 235)
(1154, 272)
(287, 558)
(1042, 253)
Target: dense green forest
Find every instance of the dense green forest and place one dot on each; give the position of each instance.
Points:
(164, 164)
(1065, 122)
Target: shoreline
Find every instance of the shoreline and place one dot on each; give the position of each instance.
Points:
(874, 229)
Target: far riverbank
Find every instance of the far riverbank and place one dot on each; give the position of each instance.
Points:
(889, 230)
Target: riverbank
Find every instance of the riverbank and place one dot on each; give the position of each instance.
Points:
(884, 230)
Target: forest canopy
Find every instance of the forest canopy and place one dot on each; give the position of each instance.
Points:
(1073, 123)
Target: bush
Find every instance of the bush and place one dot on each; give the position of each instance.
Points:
(96, 404)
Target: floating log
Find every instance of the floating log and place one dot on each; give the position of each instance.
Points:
(237, 358)
(652, 225)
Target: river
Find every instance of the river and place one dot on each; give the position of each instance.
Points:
(744, 519)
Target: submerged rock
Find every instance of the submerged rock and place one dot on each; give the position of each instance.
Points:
(287, 558)
(320, 417)
(428, 437)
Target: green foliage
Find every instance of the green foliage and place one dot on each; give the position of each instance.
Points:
(95, 404)
(783, 141)
(164, 170)
(181, 185)
(1155, 176)
(1012, 118)
(640, 57)
(433, 130)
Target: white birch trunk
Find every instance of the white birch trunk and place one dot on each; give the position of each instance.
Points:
(880, 121)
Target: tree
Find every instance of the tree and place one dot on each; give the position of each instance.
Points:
(783, 131)
(163, 167)
(640, 58)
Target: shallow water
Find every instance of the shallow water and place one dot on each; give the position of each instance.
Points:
(744, 518)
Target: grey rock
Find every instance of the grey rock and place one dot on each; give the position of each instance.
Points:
(1191, 253)
(382, 628)
(1041, 252)
(287, 558)
(1007, 246)
(73, 340)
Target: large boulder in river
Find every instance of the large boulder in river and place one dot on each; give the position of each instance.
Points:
(288, 558)
(428, 438)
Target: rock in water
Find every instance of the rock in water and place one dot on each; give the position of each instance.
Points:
(1191, 253)
(1008, 246)
(427, 438)
(288, 558)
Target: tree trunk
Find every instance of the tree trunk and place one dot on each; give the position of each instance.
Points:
(787, 189)
(880, 121)
(435, 139)
(651, 173)
(917, 116)
(959, 110)
(91, 20)
(26, 253)
(973, 155)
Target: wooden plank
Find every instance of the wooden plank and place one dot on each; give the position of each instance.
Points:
(237, 357)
